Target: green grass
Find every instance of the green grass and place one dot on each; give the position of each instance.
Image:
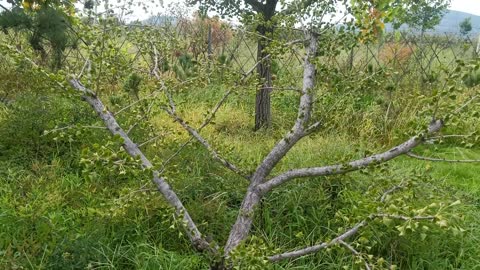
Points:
(54, 216)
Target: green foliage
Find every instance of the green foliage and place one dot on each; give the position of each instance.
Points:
(16, 19)
(421, 15)
(132, 84)
(110, 162)
(472, 78)
(465, 26)
(186, 67)
(424, 14)
(49, 26)
(251, 255)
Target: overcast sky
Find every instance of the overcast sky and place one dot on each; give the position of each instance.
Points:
(469, 6)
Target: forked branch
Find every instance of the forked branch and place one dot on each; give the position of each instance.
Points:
(241, 228)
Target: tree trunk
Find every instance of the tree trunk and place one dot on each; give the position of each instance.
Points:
(241, 228)
(263, 116)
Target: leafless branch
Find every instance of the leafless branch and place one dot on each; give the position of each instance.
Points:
(412, 155)
(353, 165)
(355, 252)
(194, 133)
(391, 190)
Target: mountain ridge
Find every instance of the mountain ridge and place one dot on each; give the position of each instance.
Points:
(450, 23)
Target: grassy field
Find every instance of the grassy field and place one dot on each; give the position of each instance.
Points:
(55, 214)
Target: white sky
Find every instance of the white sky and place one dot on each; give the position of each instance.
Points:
(469, 6)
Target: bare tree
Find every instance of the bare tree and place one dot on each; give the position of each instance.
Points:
(261, 181)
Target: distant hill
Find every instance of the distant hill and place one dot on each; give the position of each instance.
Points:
(450, 23)
(452, 19)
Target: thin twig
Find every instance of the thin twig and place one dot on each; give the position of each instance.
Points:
(147, 97)
(87, 64)
(309, 250)
(356, 253)
(194, 133)
(392, 190)
(145, 116)
(70, 127)
(150, 140)
(400, 217)
(203, 125)
(441, 137)
(465, 105)
(412, 155)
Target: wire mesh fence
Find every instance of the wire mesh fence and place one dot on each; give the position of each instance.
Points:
(401, 52)
(189, 42)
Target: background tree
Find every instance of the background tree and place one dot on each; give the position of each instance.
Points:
(422, 15)
(262, 16)
(264, 11)
(465, 26)
(49, 24)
